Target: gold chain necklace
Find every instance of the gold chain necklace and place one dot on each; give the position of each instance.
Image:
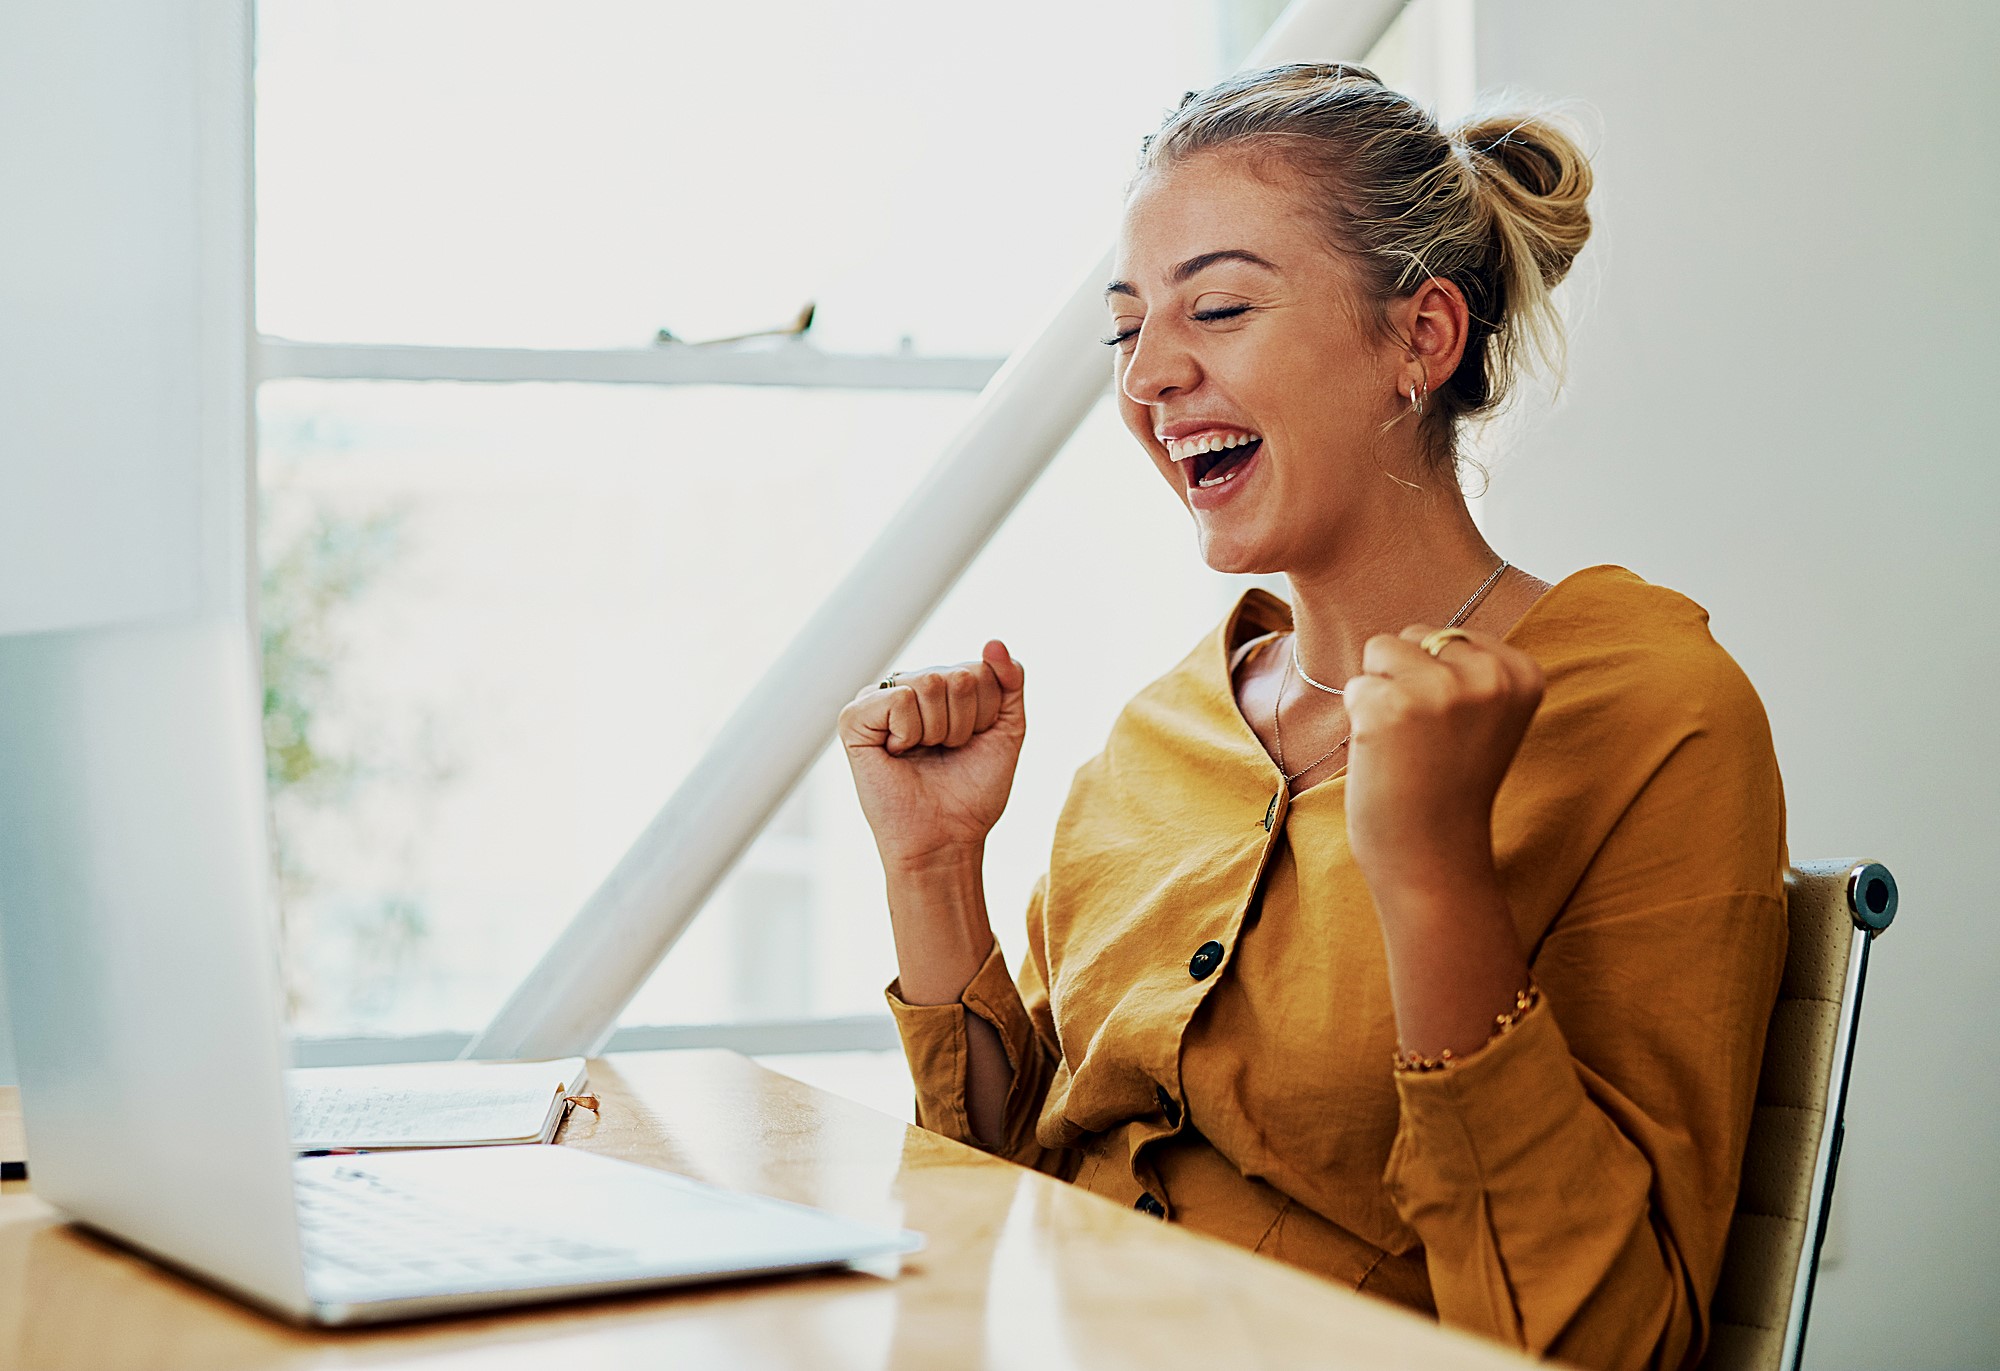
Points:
(1284, 681)
(1278, 732)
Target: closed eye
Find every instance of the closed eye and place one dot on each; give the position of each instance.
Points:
(1200, 316)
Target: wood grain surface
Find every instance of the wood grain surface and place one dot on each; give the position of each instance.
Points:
(1020, 1272)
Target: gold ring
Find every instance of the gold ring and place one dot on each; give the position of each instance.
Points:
(1435, 640)
(888, 682)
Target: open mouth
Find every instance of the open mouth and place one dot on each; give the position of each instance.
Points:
(1212, 469)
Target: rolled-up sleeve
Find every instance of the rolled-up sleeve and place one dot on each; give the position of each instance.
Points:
(935, 1041)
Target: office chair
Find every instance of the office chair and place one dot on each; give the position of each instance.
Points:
(1833, 910)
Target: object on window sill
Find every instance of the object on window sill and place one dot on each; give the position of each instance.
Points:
(796, 329)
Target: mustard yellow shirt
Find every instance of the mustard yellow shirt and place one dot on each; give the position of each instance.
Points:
(1203, 1027)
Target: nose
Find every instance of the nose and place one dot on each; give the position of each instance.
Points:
(1159, 366)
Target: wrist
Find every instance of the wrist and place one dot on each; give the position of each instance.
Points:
(1454, 957)
(1435, 872)
(1432, 879)
(937, 914)
(942, 862)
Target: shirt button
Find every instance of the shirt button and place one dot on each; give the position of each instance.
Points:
(1169, 1106)
(1146, 1204)
(1204, 961)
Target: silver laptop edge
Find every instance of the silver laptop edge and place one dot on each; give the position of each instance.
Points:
(137, 937)
(141, 964)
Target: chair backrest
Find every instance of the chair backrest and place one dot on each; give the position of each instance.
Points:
(1834, 910)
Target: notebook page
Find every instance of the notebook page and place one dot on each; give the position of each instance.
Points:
(431, 1104)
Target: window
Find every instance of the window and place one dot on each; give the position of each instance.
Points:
(516, 174)
(502, 620)
(509, 594)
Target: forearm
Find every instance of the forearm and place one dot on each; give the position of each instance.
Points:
(1455, 960)
(937, 910)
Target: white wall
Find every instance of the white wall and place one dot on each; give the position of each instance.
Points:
(124, 250)
(1781, 403)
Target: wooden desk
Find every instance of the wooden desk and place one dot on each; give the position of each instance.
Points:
(1021, 1271)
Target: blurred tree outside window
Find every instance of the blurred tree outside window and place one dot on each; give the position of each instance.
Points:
(318, 570)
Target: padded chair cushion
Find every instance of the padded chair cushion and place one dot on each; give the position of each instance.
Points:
(1767, 1237)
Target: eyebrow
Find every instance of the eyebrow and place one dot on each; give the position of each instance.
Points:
(1194, 266)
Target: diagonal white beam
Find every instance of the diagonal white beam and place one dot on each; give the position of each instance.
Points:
(572, 999)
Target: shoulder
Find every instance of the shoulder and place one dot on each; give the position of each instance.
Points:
(1612, 643)
(1651, 754)
(1651, 751)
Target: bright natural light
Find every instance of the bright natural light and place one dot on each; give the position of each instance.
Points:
(470, 172)
(501, 622)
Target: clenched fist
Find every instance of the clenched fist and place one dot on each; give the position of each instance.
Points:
(933, 756)
(1432, 740)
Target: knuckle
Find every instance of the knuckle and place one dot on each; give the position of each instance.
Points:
(1391, 707)
(1490, 687)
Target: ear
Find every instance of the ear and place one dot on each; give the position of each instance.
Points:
(1434, 323)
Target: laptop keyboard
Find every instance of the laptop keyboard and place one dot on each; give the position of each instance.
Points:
(359, 1229)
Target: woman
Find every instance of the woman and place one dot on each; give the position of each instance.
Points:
(1437, 962)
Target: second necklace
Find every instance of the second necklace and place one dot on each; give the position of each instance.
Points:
(1277, 709)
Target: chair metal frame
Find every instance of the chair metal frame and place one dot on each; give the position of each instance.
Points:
(1871, 904)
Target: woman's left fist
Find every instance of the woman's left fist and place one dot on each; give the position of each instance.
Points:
(1432, 739)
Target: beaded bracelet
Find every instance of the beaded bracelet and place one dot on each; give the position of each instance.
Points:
(1524, 1000)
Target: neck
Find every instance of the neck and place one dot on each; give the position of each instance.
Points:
(1418, 570)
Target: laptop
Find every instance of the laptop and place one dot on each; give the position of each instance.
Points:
(137, 936)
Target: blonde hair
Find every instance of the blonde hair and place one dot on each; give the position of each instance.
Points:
(1494, 205)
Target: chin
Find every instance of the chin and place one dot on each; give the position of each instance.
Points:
(1235, 556)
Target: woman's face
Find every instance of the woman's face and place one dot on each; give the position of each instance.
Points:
(1248, 366)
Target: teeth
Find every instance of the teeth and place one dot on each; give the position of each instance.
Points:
(1181, 449)
(1218, 478)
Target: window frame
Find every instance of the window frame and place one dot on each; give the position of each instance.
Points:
(795, 363)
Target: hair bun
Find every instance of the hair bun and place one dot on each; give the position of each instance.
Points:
(1535, 179)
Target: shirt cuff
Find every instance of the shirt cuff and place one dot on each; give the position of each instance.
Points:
(934, 1040)
(1467, 1128)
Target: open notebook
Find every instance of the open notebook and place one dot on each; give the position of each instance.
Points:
(429, 1104)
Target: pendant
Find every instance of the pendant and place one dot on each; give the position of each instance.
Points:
(1271, 813)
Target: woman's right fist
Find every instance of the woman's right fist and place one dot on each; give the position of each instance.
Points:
(933, 756)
